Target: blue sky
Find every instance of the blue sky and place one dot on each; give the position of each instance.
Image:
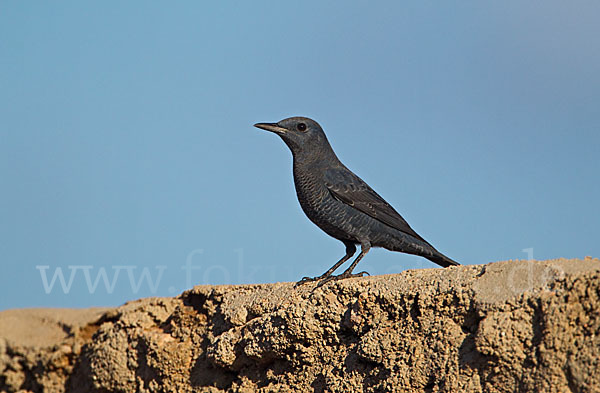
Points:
(127, 146)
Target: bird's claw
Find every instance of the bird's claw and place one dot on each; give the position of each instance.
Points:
(341, 277)
(325, 279)
(305, 280)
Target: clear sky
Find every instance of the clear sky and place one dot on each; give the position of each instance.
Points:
(127, 150)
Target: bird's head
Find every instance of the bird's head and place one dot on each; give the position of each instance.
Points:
(301, 134)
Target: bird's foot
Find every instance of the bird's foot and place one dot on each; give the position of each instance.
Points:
(306, 280)
(341, 277)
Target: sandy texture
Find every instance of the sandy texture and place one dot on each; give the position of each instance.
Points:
(516, 326)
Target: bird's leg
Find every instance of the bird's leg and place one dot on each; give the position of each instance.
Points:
(350, 250)
(364, 249)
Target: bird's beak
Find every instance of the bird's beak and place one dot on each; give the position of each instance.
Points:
(273, 127)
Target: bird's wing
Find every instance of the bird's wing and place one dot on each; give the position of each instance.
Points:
(348, 188)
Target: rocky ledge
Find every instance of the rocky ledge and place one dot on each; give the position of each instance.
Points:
(516, 326)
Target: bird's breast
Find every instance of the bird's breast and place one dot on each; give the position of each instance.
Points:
(319, 205)
(311, 192)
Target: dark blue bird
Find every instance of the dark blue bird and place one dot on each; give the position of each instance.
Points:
(341, 203)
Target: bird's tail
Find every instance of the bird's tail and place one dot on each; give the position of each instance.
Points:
(442, 260)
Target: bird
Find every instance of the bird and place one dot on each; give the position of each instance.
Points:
(342, 204)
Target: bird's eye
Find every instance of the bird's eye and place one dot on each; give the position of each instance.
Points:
(301, 127)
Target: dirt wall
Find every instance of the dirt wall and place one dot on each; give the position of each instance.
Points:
(516, 326)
